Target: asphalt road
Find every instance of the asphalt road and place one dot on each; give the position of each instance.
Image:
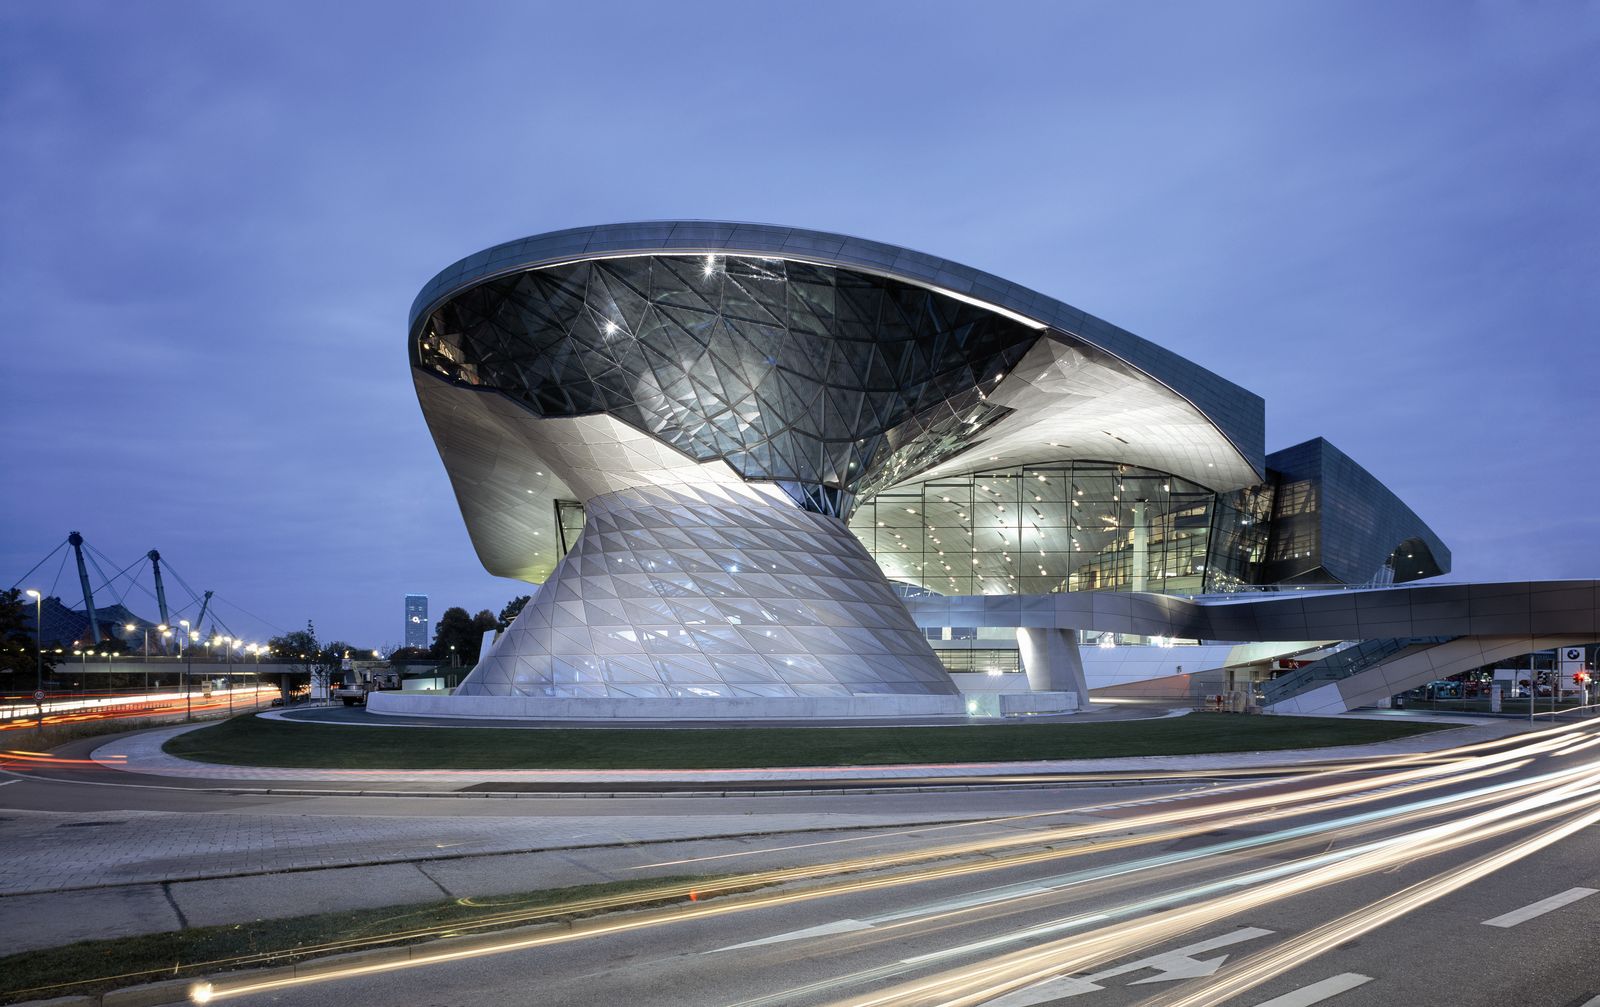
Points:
(1408, 882)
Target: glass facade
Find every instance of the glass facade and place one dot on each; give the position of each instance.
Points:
(1068, 526)
(830, 382)
(1334, 522)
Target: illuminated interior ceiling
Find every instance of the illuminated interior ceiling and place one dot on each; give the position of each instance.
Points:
(1067, 401)
(826, 366)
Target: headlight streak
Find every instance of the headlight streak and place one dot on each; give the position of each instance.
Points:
(1021, 969)
(1170, 867)
(524, 917)
(1253, 971)
(1269, 805)
(1429, 770)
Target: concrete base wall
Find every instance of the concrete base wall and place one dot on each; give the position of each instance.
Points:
(400, 704)
(982, 682)
(1015, 704)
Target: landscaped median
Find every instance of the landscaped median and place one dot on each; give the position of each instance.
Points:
(257, 741)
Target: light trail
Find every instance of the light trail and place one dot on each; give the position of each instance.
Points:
(1018, 970)
(1428, 771)
(162, 705)
(1296, 951)
(1417, 779)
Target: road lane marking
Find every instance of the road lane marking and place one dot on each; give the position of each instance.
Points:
(1539, 908)
(1593, 1003)
(1182, 968)
(1317, 992)
(1179, 963)
(9, 783)
(823, 930)
(1003, 894)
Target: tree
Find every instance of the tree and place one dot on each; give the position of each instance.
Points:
(308, 656)
(18, 658)
(457, 636)
(512, 610)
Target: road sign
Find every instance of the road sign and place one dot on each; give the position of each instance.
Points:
(38, 696)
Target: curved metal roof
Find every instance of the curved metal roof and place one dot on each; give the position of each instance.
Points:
(1238, 414)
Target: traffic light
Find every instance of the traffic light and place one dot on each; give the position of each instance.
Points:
(1580, 677)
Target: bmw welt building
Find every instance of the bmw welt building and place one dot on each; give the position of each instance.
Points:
(769, 472)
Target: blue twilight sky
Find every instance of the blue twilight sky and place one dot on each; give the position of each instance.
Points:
(213, 218)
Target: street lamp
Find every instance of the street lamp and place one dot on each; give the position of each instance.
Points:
(229, 645)
(38, 650)
(166, 650)
(130, 627)
(188, 673)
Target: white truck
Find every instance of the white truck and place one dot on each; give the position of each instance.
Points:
(358, 682)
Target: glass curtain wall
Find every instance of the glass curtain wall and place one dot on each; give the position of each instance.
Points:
(1069, 526)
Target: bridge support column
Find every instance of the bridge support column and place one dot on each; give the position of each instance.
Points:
(1052, 662)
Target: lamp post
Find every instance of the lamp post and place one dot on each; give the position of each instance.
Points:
(38, 651)
(228, 644)
(166, 650)
(188, 674)
(130, 627)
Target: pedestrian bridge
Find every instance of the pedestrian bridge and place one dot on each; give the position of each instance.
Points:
(1443, 629)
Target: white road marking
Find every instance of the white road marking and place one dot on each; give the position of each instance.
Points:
(823, 930)
(966, 902)
(1179, 963)
(1182, 968)
(1317, 992)
(1539, 908)
(1593, 1003)
(9, 783)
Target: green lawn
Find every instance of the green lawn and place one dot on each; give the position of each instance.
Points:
(253, 741)
(92, 967)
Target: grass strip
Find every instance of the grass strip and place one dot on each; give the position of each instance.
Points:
(93, 967)
(254, 741)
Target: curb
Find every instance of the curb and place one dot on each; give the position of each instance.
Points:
(176, 991)
(802, 785)
(799, 789)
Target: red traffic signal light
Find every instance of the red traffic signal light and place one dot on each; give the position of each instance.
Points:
(1580, 677)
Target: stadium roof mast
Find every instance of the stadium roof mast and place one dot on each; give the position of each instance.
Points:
(161, 591)
(204, 604)
(76, 540)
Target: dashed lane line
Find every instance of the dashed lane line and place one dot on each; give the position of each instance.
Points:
(1317, 992)
(1526, 913)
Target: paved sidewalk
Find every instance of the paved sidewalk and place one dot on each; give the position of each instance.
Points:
(50, 919)
(142, 753)
(42, 851)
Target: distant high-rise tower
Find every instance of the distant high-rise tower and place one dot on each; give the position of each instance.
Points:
(417, 621)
